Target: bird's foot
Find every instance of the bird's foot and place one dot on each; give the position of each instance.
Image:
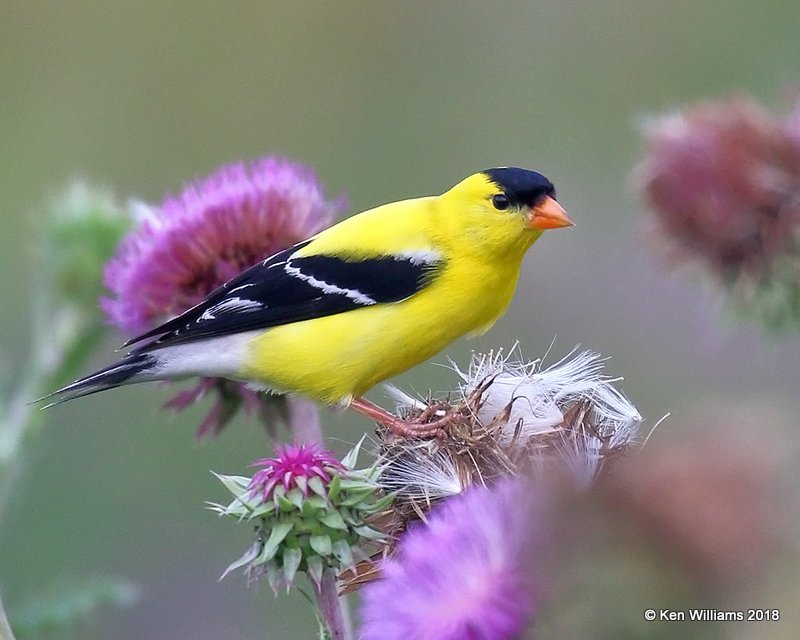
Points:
(417, 428)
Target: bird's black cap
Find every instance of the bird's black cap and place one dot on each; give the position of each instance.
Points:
(522, 186)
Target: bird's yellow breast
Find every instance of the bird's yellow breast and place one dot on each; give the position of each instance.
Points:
(346, 354)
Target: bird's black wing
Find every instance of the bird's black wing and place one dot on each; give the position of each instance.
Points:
(287, 288)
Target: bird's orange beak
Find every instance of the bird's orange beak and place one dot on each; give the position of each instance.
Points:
(548, 214)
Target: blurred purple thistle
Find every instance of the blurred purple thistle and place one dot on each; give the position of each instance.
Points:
(723, 180)
(191, 244)
(464, 575)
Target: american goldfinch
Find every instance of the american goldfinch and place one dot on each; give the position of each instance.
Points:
(358, 302)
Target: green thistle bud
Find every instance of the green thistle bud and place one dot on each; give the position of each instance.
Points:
(311, 513)
(85, 226)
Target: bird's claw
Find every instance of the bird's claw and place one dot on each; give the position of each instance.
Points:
(420, 429)
(417, 428)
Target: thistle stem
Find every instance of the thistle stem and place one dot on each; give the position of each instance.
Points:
(5, 628)
(304, 420)
(330, 607)
(306, 427)
(19, 417)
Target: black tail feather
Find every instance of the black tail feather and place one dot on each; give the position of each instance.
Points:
(109, 377)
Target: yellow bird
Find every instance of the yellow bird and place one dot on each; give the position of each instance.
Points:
(360, 301)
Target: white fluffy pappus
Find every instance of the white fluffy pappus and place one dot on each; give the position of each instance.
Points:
(538, 397)
(570, 413)
(422, 471)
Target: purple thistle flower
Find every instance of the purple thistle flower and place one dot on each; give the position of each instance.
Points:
(185, 248)
(218, 226)
(462, 576)
(294, 466)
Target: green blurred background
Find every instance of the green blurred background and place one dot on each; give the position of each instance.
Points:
(387, 101)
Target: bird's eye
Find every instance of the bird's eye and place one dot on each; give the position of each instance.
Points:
(501, 202)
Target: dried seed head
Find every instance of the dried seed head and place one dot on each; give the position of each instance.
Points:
(512, 417)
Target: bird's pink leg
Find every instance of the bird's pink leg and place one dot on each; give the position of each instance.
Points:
(397, 426)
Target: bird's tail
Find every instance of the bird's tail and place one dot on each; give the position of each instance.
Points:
(132, 368)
